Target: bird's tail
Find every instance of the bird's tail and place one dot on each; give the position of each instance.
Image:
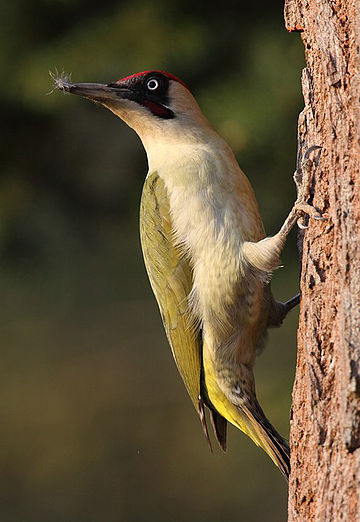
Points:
(265, 435)
(246, 415)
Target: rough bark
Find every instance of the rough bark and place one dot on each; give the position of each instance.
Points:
(325, 425)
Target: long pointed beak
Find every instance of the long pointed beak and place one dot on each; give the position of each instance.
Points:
(94, 91)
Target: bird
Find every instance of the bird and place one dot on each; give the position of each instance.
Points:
(208, 259)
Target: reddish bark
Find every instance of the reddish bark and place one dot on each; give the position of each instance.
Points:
(325, 425)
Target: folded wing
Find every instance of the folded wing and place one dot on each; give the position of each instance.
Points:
(171, 280)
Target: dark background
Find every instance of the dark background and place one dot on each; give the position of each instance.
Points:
(95, 422)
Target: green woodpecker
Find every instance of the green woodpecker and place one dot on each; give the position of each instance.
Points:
(205, 250)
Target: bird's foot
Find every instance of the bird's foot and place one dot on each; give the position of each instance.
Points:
(303, 178)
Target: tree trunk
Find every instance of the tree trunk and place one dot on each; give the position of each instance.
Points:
(325, 425)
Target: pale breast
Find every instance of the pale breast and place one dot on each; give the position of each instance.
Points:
(214, 211)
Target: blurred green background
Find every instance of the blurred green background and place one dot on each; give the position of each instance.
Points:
(95, 422)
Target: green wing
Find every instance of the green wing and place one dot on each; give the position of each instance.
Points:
(171, 280)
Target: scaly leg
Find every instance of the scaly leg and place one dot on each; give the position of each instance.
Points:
(278, 310)
(291, 303)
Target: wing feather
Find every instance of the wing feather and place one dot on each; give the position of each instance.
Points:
(170, 276)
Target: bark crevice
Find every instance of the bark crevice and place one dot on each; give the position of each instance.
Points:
(325, 425)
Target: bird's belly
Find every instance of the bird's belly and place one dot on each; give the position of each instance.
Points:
(211, 223)
(229, 304)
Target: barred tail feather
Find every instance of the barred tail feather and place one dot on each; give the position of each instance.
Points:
(266, 436)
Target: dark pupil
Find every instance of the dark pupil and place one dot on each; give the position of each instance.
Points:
(152, 84)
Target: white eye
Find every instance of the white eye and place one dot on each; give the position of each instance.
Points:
(152, 84)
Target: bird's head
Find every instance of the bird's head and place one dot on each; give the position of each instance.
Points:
(157, 105)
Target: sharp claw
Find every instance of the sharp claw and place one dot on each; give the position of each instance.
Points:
(310, 150)
(303, 178)
(301, 225)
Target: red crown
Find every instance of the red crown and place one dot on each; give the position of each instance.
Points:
(168, 75)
